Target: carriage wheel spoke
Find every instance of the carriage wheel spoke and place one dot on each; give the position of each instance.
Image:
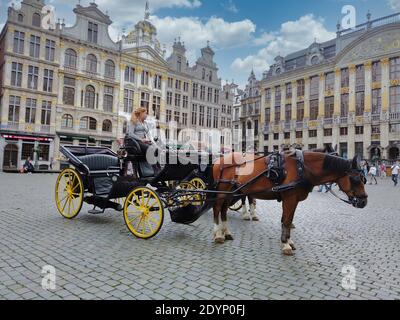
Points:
(136, 206)
(63, 209)
(134, 219)
(149, 224)
(152, 219)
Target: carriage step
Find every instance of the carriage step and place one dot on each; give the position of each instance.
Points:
(94, 211)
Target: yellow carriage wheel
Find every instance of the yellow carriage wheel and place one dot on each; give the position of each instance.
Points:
(69, 193)
(198, 184)
(143, 212)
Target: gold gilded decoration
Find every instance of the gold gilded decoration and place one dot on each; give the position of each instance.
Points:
(344, 90)
(395, 82)
(376, 85)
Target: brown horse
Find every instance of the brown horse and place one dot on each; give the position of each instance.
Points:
(234, 171)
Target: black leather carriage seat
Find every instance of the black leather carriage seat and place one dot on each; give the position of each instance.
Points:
(99, 162)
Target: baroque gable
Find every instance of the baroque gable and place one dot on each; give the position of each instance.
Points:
(383, 42)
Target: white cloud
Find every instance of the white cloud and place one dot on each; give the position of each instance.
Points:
(292, 36)
(394, 4)
(231, 7)
(196, 33)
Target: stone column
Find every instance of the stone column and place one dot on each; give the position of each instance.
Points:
(321, 111)
(336, 109)
(385, 104)
(306, 111)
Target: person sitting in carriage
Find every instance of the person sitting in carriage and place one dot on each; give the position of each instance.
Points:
(138, 130)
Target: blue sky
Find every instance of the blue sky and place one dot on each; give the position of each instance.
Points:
(245, 34)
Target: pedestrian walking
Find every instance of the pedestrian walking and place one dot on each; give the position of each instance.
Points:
(395, 173)
(383, 170)
(372, 174)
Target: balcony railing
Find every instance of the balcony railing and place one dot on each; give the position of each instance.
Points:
(70, 68)
(12, 125)
(45, 128)
(287, 126)
(328, 121)
(394, 116)
(343, 120)
(375, 117)
(267, 128)
(299, 125)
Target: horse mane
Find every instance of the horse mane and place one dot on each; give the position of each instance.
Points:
(336, 164)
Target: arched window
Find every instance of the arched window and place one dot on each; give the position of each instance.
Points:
(109, 71)
(20, 18)
(90, 97)
(36, 20)
(91, 63)
(88, 123)
(107, 126)
(67, 121)
(210, 76)
(70, 58)
(203, 76)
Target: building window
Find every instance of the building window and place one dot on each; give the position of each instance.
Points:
(186, 86)
(108, 99)
(203, 74)
(327, 132)
(177, 116)
(157, 82)
(360, 78)
(70, 58)
(209, 95)
(359, 149)
(129, 74)
(301, 88)
(194, 114)
(16, 74)
(312, 146)
(48, 80)
(20, 18)
(50, 50)
(359, 130)
(329, 81)
(268, 94)
(344, 78)
(376, 129)
(329, 107)
(34, 47)
(202, 93)
(145, 100)
(107, 126)
(278, 96)
(170, 82)
(88, 123)
(184, 119)
(185, 102)
(109, 69)
(90, 97)
(215, 122)
(223, 121)
(30, 110)
(286, 135)
(276, 136)
(288, 112)
(300, 111)
(376, 71)
(344, 131)
(91, 63)
(67, 121)
(314, 104)
(312, 133)
(360, 101)
(169, 116)
(395, 99)
(277, 114)
(19, 42)
(93, 30)
(288, 91)
(195, 90)
(157, 106)
(201, 116)
(376, 102)
(314, 87)
(179, 64)
(344, 105)
(299, 134)
(395, 68)
(178, 84)
(69, 91)
(46, 113)
(216, 96)
(27, 150)
(177, 100)
(145, 78)
(208, 117)
(36, 19)
(169, 98)
(13, 109)
(210, 76)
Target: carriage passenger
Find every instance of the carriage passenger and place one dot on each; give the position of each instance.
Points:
(138, 129)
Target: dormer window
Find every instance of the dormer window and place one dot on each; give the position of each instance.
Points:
(203, 76)
(210, 76)
(314, 60)
(179, 64)
(36, 20)
(93, 30)
(278, 71)
(20, 18)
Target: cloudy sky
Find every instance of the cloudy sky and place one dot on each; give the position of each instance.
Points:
(246, 34)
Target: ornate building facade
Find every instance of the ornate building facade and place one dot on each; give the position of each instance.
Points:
(75, 85)
(344, 92)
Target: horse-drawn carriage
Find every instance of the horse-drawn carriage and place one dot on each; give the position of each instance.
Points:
(100, 177)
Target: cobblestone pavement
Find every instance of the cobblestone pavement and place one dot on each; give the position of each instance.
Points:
(96, 257)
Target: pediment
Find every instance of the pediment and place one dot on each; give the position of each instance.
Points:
(146, 53)
(372, 44)
(93, 13)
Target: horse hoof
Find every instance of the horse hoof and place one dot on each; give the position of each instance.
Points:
(228, 237)
(246, 218)
(287, 249)
(219, 240)
(291, 244)
(256, 219)
(292, 226)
